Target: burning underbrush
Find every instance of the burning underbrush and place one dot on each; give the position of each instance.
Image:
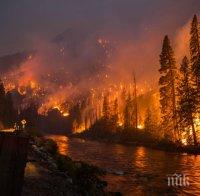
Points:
(77, 110)
(76, 94)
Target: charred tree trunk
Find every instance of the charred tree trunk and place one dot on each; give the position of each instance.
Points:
(135, 96)
(175, 124)
(193, 131)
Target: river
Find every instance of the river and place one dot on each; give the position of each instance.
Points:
(135, 170)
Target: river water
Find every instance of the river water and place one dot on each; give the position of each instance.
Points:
(136, 170)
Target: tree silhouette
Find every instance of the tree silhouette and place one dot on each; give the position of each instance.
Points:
(167, 90)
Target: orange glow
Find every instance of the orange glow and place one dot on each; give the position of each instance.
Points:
(120, 124)
(33, 84)
(65, 114)
(140, 127)
(62, 142)
(184, 142)
(79, 129)
(63, 96)
(139, 157)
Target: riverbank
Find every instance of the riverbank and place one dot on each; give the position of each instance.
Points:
(134, 170)
(137, 138)
(49, 173)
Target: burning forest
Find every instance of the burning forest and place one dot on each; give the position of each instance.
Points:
(75, 94)
(86, 90)
(99, 97)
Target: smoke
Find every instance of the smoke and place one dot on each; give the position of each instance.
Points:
(79, 60)
(182, 40)
(104, 43)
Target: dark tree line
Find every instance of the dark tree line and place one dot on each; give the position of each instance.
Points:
(180, 89)
(7, 110)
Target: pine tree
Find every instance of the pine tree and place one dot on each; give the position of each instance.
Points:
(186, 101)
(129, 113)
(115, 111)
(195, 56)
(148, 123)
(167, 90)
(106, 108)
(115, 115)
(135, 101)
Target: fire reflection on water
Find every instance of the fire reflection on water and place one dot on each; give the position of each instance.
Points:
(62, 142)
(139, 160)
(138, 165)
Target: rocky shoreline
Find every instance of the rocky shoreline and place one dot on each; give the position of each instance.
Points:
(49, 173)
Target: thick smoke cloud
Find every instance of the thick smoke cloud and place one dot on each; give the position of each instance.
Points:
(22, 20)
(136, 27)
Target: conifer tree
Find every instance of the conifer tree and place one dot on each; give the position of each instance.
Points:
(135, 101)
(195, 56)
(115, 111)
(167, 90)
(115, 115)
(186, 99)
(106, 108)
(129, 113)
(148, 123)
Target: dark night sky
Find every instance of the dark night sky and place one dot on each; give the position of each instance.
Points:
(22, 21)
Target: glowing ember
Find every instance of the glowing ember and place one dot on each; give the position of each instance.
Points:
(120, 124)
(79, 129)
(8, 130)
(65, 114)
(184, 142)
(140, 127)
(56, 107)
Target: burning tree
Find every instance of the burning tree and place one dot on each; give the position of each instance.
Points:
(187, 101)
(149, 123)
(129, 112)
(195, 56)
(167, 90)
(106, 108)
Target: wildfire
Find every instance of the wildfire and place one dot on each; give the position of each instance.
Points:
(65, 114)
(62, 95)
(56, 107)
(22, 90)
(197, 122)
(120, 123)
(184, 142)
(140, 126)
(78, 128)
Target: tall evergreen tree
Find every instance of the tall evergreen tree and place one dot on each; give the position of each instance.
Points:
(186, 101)
(135, 123)
(195, 56)
(106, 108)
(129, 112)
(167, 90)
(114, 115)
(149, 122)
(115, 111)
